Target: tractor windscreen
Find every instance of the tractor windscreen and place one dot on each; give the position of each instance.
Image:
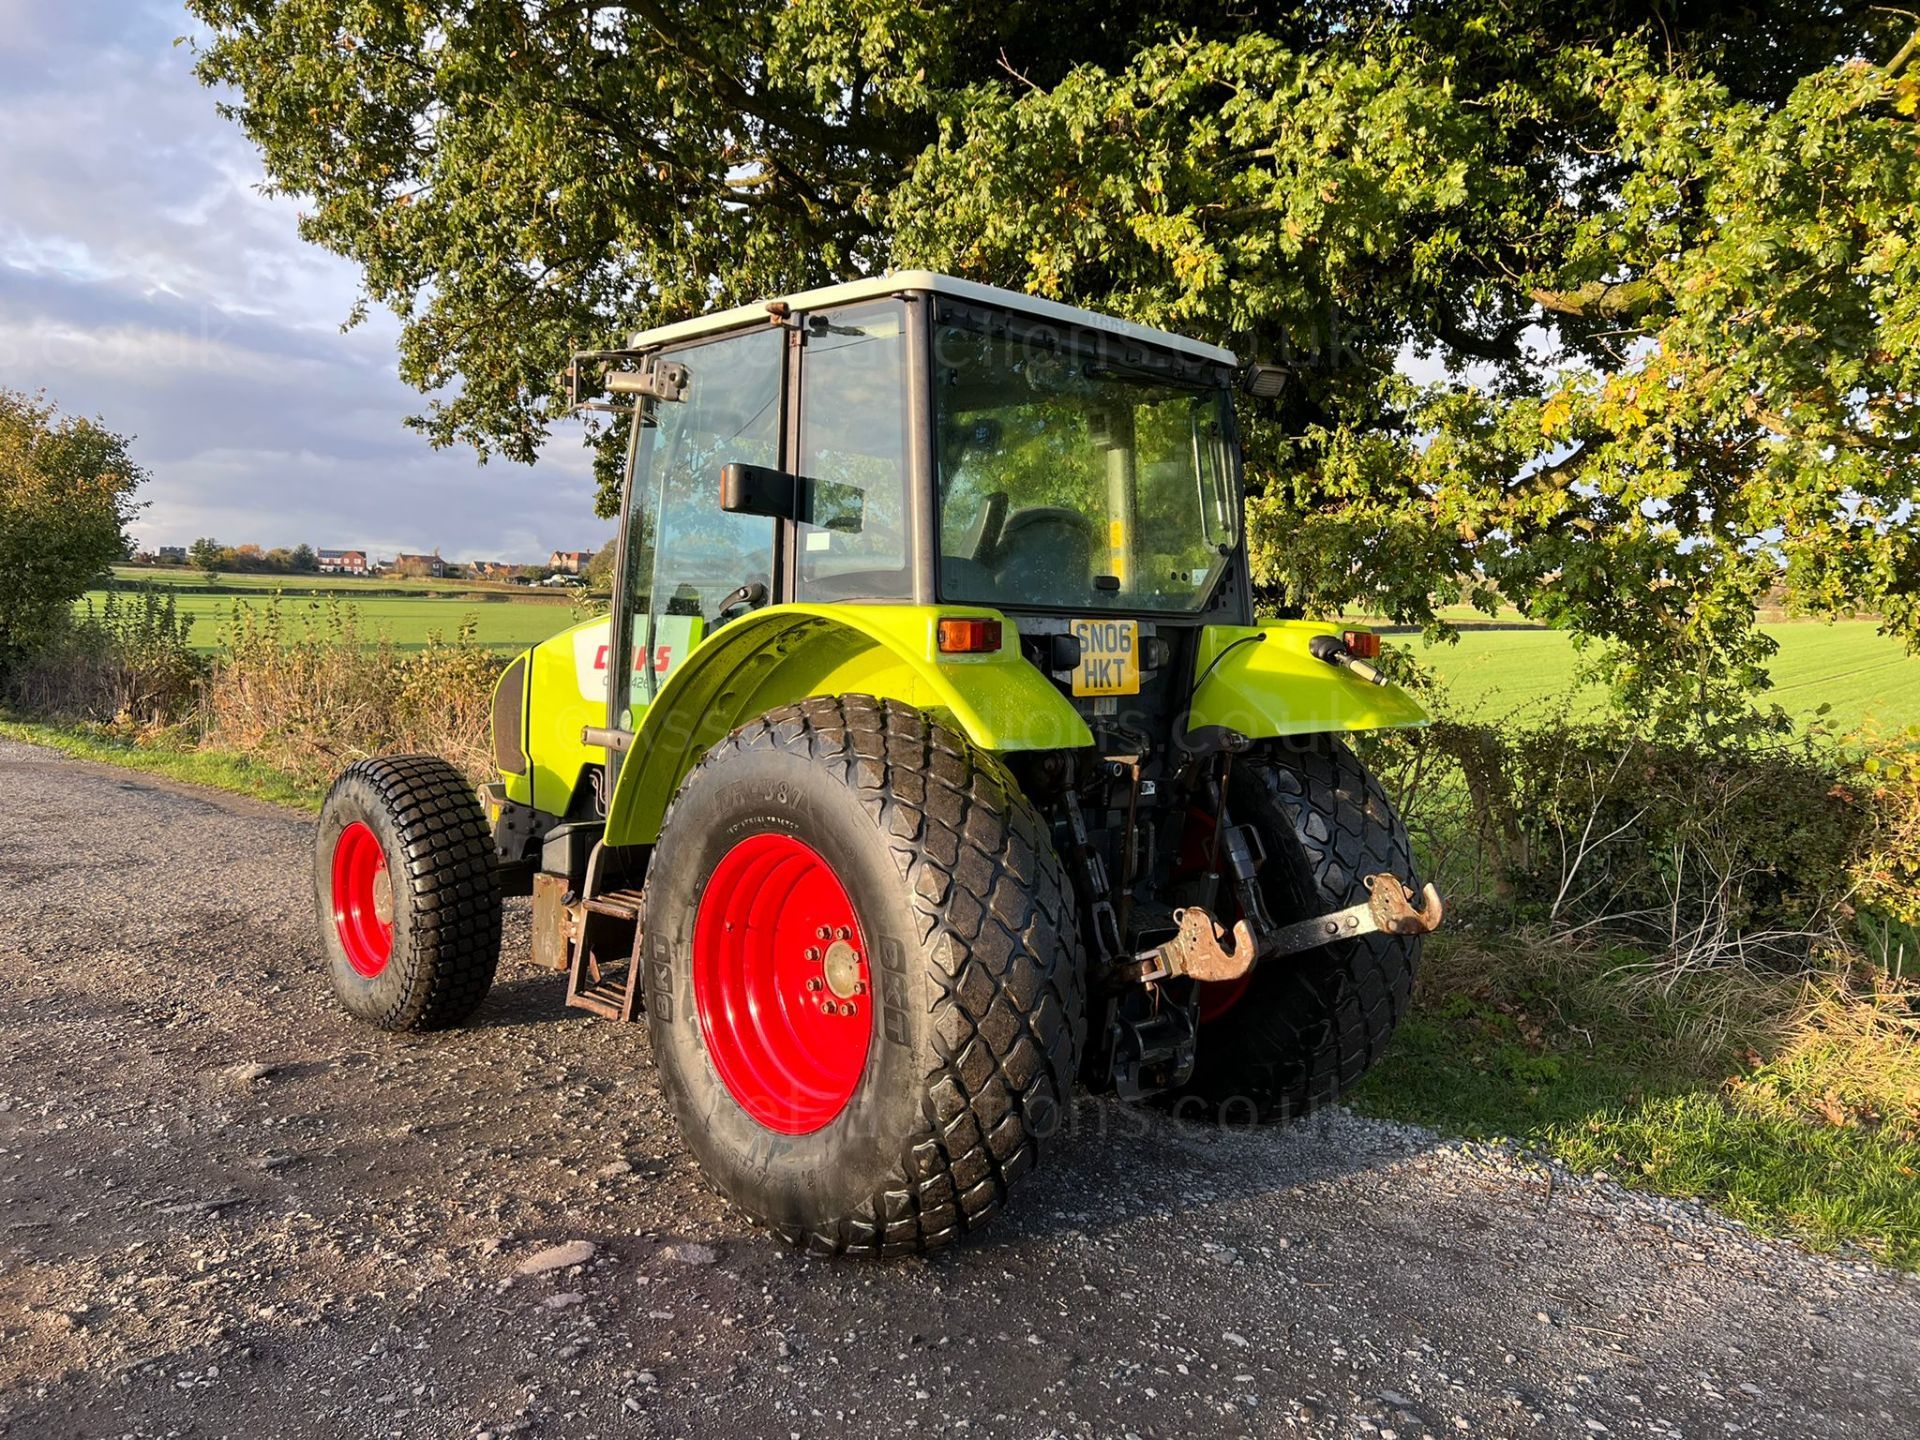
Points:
(1077, 481)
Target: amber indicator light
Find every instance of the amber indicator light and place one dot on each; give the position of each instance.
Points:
(1364, 644)
(969, 637)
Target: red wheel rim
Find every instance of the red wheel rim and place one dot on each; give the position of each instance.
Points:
(781, 982)
(362, 900)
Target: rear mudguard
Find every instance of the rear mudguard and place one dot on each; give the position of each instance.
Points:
(785, 653)
(1271, 686)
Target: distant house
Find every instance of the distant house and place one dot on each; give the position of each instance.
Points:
(342, 562)
(570, 562)
(418, 566)
(170, 555)
(492, 569)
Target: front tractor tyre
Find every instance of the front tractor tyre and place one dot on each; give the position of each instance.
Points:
(864, 981)
(408, 904)
(1300, 1029)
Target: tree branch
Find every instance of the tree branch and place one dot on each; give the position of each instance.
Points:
(1558, 476)
(1843, 439)
(1906, 53)
(1501, 347)
(1601, 299)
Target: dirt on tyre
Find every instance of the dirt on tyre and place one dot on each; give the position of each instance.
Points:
(1301, 1029)
(408, 904)
(863, 977)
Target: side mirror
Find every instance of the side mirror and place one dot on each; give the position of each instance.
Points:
(763, 490)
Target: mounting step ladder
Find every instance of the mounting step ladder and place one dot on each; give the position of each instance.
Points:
(604, 976)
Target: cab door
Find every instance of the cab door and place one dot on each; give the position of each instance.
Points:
(683, 556)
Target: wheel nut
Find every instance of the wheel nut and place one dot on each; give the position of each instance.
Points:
(813, 953)
(814, 982)
(823, 933)
(843, 933)
(859, 987)
(846, 1007)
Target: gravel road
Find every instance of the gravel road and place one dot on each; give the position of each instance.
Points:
(225, 1210)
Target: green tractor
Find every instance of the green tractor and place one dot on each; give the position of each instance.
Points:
(931, 760)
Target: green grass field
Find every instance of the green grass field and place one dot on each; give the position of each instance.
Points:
(406, 613)
(1493, 674)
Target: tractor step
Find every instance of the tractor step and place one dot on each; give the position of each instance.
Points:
(621, 904)
(604, 974)
(607, 1000)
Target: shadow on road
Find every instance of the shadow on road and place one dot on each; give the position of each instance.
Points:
(535, 997)
(1117, 1167)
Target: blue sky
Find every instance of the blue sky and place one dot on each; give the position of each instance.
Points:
(144, 279)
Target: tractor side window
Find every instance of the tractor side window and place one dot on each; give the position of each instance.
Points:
(853, 449)
(701, 555)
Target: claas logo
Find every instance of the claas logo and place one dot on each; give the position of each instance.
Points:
(662, 658)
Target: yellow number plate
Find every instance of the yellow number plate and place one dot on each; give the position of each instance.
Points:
(1109, 657)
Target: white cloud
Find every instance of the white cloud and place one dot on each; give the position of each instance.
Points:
(145, 279)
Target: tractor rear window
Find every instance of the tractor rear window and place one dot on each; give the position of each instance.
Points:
(1070, 483)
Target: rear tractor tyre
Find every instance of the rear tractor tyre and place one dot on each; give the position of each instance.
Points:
(408, 904)
(864, 982)
(1302, 1029)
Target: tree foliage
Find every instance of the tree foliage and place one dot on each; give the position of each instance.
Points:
(66, 487)
(208, 556)
(1610, 312)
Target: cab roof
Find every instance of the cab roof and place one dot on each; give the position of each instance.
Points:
(904, 282)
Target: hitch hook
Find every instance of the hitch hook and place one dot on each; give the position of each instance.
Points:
(1205, 951)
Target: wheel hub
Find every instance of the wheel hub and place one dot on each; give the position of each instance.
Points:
(781, 984)
(842, 967)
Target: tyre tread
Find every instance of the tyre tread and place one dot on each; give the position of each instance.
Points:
(1298, 1042)
(446, 854)
(996, 921)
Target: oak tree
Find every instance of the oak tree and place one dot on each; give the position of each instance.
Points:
(1610, 311)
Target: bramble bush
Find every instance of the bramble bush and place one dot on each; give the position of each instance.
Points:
(303, 691)
(1702, 854)
(311, 693)
(127, 663)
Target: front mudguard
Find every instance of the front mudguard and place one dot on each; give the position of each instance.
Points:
(1262, 682)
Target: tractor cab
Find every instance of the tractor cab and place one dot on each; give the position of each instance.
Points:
(918, 440)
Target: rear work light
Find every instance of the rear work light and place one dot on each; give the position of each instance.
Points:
(968, 637)
(1362, 644)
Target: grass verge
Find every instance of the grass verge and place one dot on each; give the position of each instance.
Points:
(1793, 1107)
(217, 769)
